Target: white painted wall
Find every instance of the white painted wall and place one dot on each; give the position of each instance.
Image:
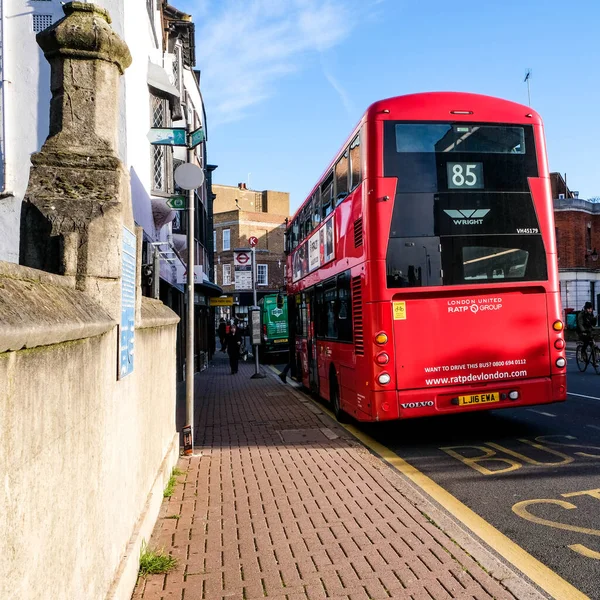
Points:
(27, 106)
(27, 91)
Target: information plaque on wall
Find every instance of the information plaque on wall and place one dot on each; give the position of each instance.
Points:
(127, 326)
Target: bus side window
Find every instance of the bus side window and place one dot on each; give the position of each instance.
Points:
(295, 234)
(344, 308)
(341, 178)
(318, 316)
(327, 195)
(316, 209)
(355, 175)
(330, 301)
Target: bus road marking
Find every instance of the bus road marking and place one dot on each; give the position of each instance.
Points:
(594, 427)
(539, 412)
(583, 396)
(537, 571)
(531, 567)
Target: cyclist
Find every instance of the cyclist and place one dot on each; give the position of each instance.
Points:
(585, 323)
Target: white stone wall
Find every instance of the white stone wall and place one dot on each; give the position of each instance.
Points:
(80, 454)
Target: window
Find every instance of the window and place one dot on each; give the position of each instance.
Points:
(341, 178)
(327, 195)
(333, 311)
(588, 237)
(214, 240)
(226, 274)
(226, 241)
(459, 137)
(295, 234)
(355, 176)
(262, 275)
(316, 210)
(41, 22)
(161, 155)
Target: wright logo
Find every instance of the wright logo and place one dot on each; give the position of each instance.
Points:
(468, 216)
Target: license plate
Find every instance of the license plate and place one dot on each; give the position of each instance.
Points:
(281, 341)
(479, 399)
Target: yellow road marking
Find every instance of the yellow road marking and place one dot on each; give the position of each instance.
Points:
(584, 551)
(538, 572)
(547, 579)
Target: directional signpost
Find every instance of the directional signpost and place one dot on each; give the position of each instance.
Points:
(175, 136)
(196, 137)
(177, 203)
(170, 136)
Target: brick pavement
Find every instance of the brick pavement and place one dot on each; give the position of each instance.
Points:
(284, 504)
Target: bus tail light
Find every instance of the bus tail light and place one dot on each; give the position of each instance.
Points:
(559, 344)
(382, 358)
(381, 338)
(560, 362)
(384, 378)
(557, 326)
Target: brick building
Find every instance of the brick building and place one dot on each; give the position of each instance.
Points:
(240, 213)
(578, 240)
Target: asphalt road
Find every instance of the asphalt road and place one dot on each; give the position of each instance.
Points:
(525, 471)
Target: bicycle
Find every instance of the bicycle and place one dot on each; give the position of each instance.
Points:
(592, 355)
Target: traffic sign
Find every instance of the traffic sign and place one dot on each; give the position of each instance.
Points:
(170, 136)
(177, 203)
(241, 259)
(253, 241)
(196, 137)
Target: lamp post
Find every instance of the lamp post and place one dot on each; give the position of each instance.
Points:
(189, 176)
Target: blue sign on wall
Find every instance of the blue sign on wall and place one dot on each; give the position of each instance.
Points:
(127, 327)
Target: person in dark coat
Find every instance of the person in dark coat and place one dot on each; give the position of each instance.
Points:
(222, 333)
(233, 343)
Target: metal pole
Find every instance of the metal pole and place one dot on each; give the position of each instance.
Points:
(257, 373)
(189, 353)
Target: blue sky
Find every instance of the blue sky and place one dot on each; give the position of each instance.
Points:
(284, 81)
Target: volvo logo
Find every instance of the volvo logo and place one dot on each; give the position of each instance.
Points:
(417, 404)
(468, 216)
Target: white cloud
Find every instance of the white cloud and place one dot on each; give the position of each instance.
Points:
(245, 47)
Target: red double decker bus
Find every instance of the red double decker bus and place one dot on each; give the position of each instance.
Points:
(421, 273)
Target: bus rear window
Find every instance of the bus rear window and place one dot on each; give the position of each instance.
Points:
(484, 262)
(483, 139)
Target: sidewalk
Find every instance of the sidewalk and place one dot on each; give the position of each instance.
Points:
(284, 504)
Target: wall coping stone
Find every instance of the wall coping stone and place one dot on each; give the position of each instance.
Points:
(156, 314)
(14, 271)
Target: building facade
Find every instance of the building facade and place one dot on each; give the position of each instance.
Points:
(160, 89)
(578, 240)
(239, 214)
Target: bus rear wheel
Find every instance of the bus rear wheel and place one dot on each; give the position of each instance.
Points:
(340, 415)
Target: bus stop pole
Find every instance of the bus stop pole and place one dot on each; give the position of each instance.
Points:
(253, 333)
(189, 351)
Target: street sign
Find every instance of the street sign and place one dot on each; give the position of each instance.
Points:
(253, 241)
(171, 136)
(241, 259)
(177, 203)
(196, 137)
(227, 301)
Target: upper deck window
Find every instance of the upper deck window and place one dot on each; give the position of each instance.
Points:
(446, 137)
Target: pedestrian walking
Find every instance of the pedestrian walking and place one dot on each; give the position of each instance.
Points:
(233, 343)
(222, 333)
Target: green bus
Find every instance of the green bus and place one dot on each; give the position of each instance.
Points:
(274, 319)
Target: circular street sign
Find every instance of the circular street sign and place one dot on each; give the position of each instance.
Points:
(242, 258)
(253, 241)
(189, 176)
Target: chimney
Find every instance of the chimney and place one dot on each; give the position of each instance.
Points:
(242, 186)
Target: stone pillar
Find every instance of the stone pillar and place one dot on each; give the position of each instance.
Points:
(78, 197)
